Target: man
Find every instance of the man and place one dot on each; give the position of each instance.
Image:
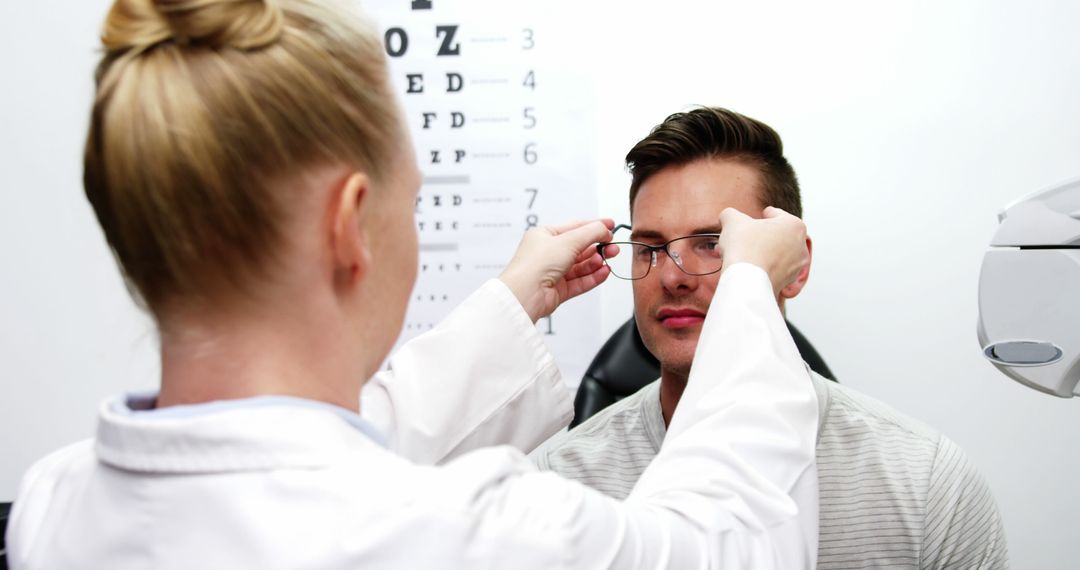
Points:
(893, 492)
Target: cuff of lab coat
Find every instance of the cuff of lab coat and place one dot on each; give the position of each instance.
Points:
(481, 377)
(538, 408)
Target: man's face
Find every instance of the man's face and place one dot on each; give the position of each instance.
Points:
(670, 305)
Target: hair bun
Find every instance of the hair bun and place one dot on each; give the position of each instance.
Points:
(241, 24)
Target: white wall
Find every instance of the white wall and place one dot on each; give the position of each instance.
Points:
(910, 124)
(68, 332)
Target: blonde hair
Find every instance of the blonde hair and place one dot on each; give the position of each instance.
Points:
(200, 104)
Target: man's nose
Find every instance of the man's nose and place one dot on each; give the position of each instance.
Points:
(674, 279)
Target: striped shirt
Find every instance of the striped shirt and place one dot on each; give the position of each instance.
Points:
(893, 492)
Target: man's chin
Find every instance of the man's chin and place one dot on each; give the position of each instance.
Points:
(674, 356)
(675, 370)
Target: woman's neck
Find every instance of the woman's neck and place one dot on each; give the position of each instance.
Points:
(225, 357)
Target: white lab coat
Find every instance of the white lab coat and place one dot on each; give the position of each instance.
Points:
(285, 483)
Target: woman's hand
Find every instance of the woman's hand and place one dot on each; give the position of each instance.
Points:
(775, 243)
(556, 263)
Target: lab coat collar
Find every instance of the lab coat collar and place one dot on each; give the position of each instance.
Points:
(265, 432)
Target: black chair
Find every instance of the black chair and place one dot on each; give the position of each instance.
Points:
(624, 365)
(5, 510)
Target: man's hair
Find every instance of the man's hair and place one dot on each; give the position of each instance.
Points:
(714, 132)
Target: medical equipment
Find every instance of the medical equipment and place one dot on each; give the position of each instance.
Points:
(1029, 314)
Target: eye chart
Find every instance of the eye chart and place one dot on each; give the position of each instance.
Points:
(502, 130)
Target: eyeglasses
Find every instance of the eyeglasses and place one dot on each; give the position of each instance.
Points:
(698, 254)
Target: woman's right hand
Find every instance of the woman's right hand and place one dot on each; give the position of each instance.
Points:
(556, 263)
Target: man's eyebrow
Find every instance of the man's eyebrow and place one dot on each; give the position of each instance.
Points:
(706, 230)
(638, 235)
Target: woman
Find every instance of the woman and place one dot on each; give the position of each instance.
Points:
(252, 173)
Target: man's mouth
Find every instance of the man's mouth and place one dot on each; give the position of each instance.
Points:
(680, 318)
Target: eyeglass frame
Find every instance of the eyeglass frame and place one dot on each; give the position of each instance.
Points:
(653, 249)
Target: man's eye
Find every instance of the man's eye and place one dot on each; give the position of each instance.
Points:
(643, 252)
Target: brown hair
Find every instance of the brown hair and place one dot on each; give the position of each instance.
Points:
(714, 132)
(203, 108)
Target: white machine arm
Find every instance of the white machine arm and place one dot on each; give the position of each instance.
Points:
(1029, 284)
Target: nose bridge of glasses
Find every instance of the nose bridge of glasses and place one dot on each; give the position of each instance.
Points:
(693, 255)
(672, 253)
(653, 259)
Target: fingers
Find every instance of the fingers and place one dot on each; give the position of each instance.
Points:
(586, 282)
(774, 212)
(770, 212)
(609, 251)
(563, 228)
(586, 254)
(585, 266)
(587, 234)
(732, 216)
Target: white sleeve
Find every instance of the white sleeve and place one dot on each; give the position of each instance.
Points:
(734, 484)
(740, 451)
(482, 377)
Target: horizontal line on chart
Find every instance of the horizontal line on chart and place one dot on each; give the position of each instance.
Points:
(439, 246)
(488, 40)
(497, 225)
(489, 81)
(491, 155)
(491, 120)
(461, 179)
(491, 266)
(490, 200)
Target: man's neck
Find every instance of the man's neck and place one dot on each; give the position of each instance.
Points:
(672, 384)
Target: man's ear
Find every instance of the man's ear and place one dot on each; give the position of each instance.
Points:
(796, 287)
(349, 242)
